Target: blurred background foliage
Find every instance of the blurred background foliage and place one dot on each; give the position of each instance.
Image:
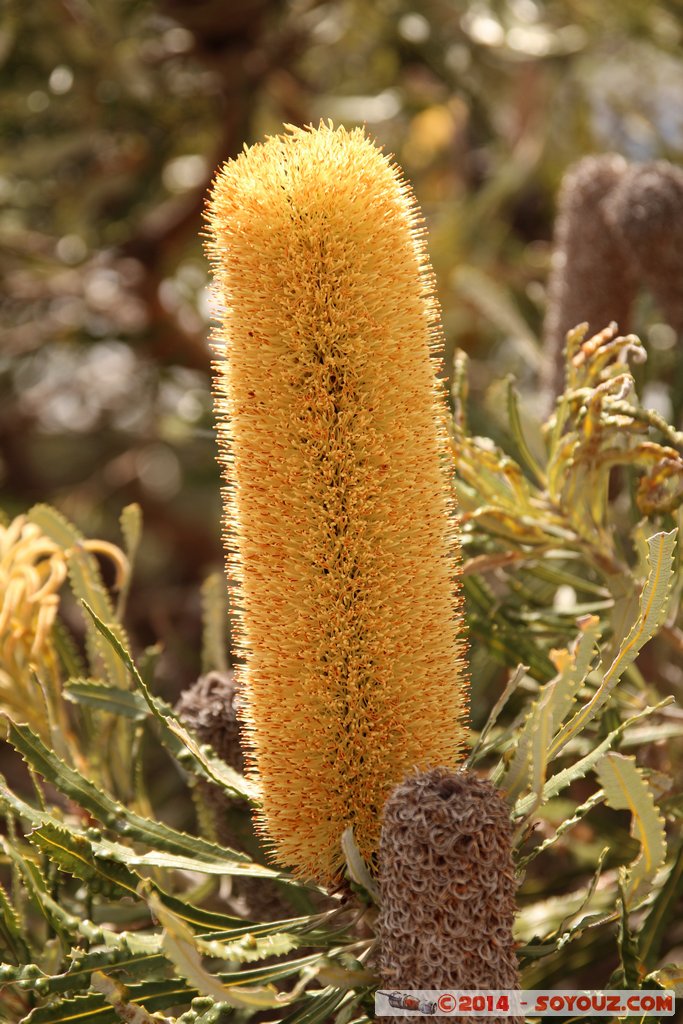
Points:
(115, 115)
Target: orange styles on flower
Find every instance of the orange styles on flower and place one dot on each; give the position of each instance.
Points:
(339, 525)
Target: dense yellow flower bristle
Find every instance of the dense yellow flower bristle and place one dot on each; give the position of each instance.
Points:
(339, 525)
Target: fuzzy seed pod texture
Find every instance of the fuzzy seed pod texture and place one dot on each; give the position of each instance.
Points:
(645, 210)
(593, 277)
(448, 887)
(339, 510)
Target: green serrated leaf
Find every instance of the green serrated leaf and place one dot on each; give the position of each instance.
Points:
(249, 947)
(180, 946)
(10, 929)
(93, 1009)
(630, 971)
(517, 433)
(567, 824)
(125, 959)
(317, 1007)
(112, 813)
(626, 789)
(63, 924)
(181, 743)
(580, 768)
(116, 995)
(529, 764)
(510, 687)
(102, 697)
(654, 603)
(73, 853)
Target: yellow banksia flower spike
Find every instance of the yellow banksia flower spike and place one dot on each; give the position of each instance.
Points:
(339, 523)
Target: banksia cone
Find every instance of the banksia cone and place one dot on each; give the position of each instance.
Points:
(448, 886)
(339, 509)
(646, 213)
(593, 277)
(209, 709)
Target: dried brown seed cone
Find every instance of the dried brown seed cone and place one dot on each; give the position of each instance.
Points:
(448, 887)
(646, 213)
(209, 709)
(593, 277)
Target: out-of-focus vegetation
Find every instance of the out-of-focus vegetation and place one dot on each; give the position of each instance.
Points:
(109, 913)
(114, 118)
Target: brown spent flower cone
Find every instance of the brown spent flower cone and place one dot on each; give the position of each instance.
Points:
(448, 887)
(593, 277)
(343, 546)
(209, 709)
(645, 210)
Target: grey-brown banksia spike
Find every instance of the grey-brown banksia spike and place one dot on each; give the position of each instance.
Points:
(646, 212)
(619, 227)
(592, 276)
(209, 709)
(448, 887)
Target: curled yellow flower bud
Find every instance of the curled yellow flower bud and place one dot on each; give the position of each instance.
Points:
(340, 529)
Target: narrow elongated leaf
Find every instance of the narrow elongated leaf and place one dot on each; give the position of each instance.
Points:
(73, 854)
(87, 585)
(654, 603)
(510, 687)
(661, 912)
(124, 959)
(130, 522)
(220, 866)
(567, 824)
(101, 697)
(180, 945)
(565, 931)
(214, 621)
(629, 972)
(10, 929)
(580, 768)
(529, 764)
(249, 948)
(517, 432)
(64, 924)
(93, 1009)
(107, 851)
(317, 1007)
(358, 869)
(626, 789)
(181, 743)
(112, 813)
(116, 995)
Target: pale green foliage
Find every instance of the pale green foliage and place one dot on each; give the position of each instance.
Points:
(110, 914)
(626, 789)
